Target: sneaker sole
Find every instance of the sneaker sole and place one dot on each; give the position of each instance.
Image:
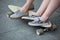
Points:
(44, 25)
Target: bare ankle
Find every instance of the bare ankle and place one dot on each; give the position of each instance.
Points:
(23, 10)
(37, 14)
(43, 18)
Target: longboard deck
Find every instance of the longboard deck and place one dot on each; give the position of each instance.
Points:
(13, 8)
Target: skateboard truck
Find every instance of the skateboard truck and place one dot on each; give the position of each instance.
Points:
(46, 29)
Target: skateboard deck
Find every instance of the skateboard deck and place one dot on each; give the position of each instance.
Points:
(13, 8)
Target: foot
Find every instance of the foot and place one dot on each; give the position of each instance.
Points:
(30, 17)
(17, 14)
(38, 22)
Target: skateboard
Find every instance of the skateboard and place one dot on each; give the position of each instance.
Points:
(39, 31)
(14, 8)
(43, 28)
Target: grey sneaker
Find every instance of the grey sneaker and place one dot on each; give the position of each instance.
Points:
(38, 22)
(17, 14)
(30, 17)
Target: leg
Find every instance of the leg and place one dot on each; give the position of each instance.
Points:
(42, 7)
(27, 5)
(40, 10)
(53, 5)
(42, 21)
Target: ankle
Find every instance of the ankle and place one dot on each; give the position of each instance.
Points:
(37, 14)
(43, 19)
(23, 10)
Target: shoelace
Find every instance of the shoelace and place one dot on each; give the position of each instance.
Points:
(39, 21)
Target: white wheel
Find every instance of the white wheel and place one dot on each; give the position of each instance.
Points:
(40, 31)
(9, 13)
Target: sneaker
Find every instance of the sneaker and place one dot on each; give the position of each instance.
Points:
(17, 14)
(30, 17)
(40, 23)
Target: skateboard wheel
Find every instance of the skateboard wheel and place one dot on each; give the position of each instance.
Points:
(53, 27)
(9, 13)
(40, 31)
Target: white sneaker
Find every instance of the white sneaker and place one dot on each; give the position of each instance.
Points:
(17, 14)
(30, 17)
(40, 23)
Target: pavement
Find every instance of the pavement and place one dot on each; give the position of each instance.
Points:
(17, 29)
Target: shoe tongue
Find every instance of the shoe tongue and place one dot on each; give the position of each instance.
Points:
(36, 19)
(18, 12)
